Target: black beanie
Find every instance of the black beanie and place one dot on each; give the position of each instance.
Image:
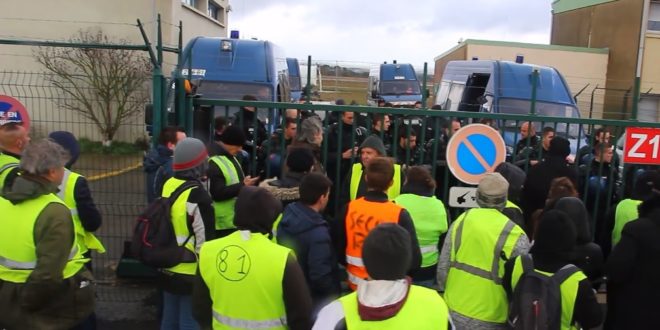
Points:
(300, 160)
(256, 210)
(559, 147)
(233, 136)
(374, 142)
(387, 252)
(555, 235)
(69, 142)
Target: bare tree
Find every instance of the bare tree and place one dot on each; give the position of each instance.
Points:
(107, 86)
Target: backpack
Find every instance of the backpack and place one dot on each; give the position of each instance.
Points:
(536, 301)
(154, 241)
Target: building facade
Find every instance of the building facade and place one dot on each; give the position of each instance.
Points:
(630, 29)
(52, 21)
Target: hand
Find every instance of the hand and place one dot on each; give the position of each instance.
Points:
(250, 181)
(348, 153)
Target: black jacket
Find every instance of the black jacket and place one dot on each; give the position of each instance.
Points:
(255, 134)
(351, 136)
(538, 180)
(306, 232)
(633, 271)
(89, 214)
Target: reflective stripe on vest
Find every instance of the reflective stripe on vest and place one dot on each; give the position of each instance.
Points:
(7, 162)
(275, 225)
(361, 217)
(356, 176)
(17, 248)
(568, 290)
(224, 210)
(423, 309)
(67, 194)
(180, 223)
(430, 219)
(250, 266)
(626, 211)
(477, 258)
(248, 324)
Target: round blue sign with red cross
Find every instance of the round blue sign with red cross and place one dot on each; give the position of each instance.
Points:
(473, 151)
(12, 111)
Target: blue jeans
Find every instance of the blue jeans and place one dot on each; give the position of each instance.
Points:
(177, 313)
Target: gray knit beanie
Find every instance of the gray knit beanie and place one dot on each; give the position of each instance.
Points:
(375, 143)
(189, 153)
(492, 191)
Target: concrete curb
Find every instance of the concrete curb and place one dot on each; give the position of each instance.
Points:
(114, 173)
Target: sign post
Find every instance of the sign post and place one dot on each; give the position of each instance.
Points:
(474, 151)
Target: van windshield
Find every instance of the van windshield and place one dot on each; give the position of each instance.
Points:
(234, 90)
(522, 107)
(400, 87)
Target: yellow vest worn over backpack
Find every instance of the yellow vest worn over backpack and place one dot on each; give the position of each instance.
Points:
(392, 192)
(18, 256)
(481, 241)
(423, 309)
(86, 239)
(179, 216)
(224, 210)
(244, 273)
(568, 289)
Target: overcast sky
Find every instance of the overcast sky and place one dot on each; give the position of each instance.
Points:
(413, 31)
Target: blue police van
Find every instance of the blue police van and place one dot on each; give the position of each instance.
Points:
(394, 83)
(228, 68)
(506, 87)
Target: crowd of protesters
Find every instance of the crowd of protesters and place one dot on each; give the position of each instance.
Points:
(342, 225)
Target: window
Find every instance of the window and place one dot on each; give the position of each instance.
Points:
(214, 11)
(190, 3)
(654, 17)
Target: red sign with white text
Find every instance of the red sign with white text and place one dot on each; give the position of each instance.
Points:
(642, 146)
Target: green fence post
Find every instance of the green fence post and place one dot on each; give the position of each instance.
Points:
(156, 88)
(308, 87)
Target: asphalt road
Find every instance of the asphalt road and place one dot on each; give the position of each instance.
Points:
(121, 303)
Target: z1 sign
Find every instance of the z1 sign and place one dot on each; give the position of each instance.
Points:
(642, 146)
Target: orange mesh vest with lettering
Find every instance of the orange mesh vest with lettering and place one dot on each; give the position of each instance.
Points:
(361, 217)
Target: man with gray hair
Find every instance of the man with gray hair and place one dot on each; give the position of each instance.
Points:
(472, 260)
(309, 136)
(44, 282)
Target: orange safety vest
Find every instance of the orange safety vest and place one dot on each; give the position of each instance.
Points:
(363, 216)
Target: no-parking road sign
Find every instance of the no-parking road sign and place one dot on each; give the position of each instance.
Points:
(474, 151)
(12, 111)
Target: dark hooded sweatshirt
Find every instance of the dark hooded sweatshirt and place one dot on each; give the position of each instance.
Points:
(157, 164)
(306, 232)
(633, 271)
(588, 255)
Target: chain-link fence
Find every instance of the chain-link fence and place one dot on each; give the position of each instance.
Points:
(114, 172)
